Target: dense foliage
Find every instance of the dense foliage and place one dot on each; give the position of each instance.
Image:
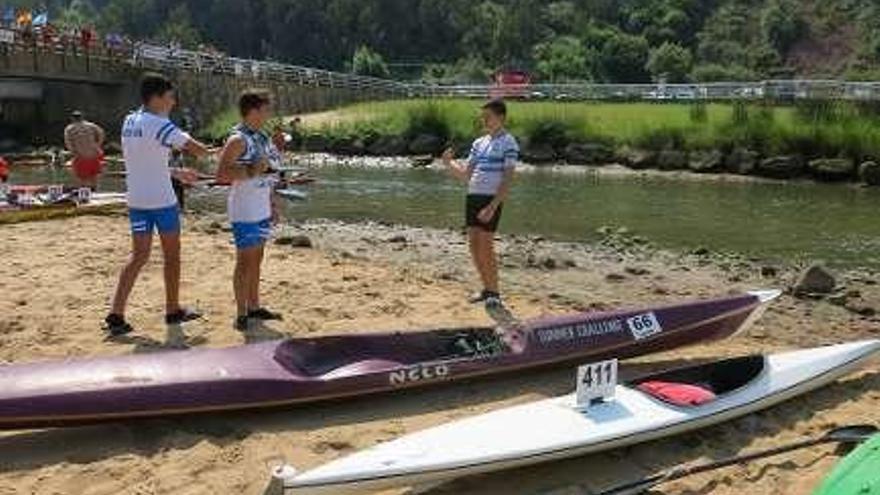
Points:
(562, 40)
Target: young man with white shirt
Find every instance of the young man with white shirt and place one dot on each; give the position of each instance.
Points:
(489, 173)
(248, 162)
(148, 136)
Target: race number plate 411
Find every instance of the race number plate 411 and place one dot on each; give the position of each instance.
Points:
(595, 383)
(644, 325)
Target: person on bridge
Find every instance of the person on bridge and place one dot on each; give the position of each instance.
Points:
(247, 162)
(489, 173)
(85, 140)
(148, 136)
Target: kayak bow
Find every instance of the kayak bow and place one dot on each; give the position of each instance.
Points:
(558, 428)
(856, 474)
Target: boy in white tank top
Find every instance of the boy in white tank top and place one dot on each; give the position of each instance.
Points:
(245, 162)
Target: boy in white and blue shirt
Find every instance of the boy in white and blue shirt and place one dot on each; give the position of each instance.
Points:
(247, 162)
(489, 173)
(148, 136)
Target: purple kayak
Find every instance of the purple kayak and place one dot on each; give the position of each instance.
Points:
(299, 370)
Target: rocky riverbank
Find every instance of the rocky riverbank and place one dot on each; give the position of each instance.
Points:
(736, 161)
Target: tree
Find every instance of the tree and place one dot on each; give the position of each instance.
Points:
(670, 60)
(623, 58)
(561, 18)
(722, 73)
(179, 28)
(520, 30)
(562, 59)
(136, 18)
(782, 24)
(726, 36)
(78, 13)
(483, 38)
(366, 62)
(472, 69)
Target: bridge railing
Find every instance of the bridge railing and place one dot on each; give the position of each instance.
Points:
(784, 90)
(163, 57)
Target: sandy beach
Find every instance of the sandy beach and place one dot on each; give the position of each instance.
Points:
(58, 275)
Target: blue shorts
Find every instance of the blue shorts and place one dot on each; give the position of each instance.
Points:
(164, 220)
(250, 234)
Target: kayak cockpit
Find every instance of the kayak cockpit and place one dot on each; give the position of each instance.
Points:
(701, 384)
(345, 355)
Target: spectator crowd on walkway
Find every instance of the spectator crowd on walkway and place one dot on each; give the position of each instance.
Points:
(33, 31)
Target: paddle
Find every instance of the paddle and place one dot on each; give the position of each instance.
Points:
(852, 434)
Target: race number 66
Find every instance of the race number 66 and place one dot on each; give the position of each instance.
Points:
(644, 325)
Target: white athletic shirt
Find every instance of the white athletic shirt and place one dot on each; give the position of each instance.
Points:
(489, 158)
(249, 199)
(147, 140)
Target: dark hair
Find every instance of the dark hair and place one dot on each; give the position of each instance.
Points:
(153, 84)
(252, 99)
(497, 107)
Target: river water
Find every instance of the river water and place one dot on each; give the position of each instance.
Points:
(838, 224)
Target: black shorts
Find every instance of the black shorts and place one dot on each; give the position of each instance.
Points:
(473, 205)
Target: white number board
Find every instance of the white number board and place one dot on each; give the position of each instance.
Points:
(56, 191)
(644, 325)
(596, 382)
(84, 194)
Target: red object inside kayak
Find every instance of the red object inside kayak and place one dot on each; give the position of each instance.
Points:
(679, 394)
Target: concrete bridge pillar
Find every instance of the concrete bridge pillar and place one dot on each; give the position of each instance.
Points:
(106, 89)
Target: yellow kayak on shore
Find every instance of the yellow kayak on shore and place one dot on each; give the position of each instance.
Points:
(99, 203)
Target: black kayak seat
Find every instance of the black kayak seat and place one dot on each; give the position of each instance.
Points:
(716, 378)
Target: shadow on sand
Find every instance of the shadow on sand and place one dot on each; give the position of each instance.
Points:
(175, 339)
(261, 332)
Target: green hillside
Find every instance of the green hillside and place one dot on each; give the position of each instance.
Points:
(568, 40)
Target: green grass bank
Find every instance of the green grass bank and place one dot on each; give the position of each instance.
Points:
(829, 140)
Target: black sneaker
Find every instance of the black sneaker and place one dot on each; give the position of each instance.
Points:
(485, 296)
(478, 297)
(116, 326)
(264, 314)
(182, 315)
(493, 302)
(242, 323)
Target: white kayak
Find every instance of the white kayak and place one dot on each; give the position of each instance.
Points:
(292, 194)
(557, 428)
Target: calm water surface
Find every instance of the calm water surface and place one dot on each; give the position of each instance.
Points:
(835, 223)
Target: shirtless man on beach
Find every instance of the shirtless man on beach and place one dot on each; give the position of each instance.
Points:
(488, 173)
(85, 140)
(148, 137)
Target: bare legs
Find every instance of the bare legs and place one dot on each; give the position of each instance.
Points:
(171, 252)
(140, 254)
(482, 246)
(246, 279)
